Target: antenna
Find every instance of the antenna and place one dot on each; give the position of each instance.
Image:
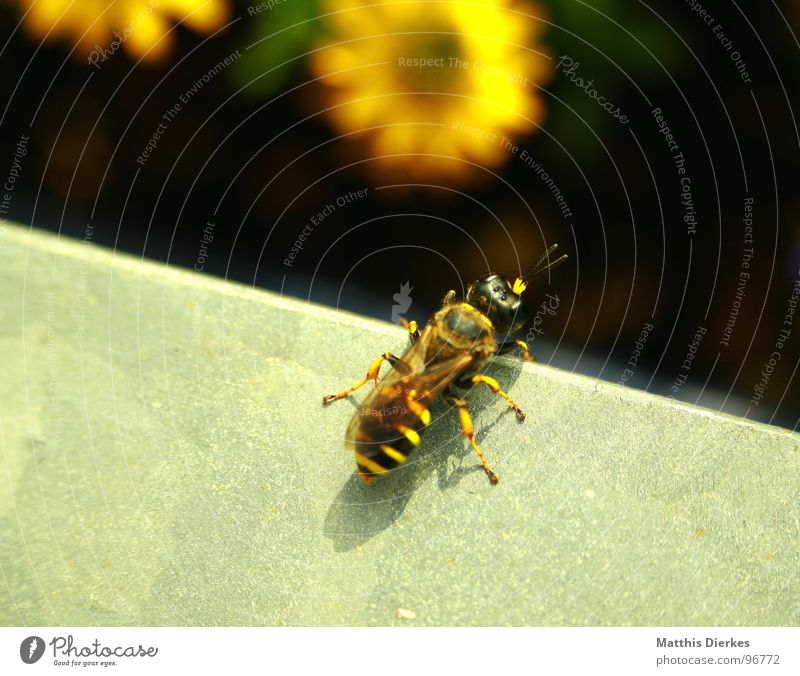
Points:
(537, 269)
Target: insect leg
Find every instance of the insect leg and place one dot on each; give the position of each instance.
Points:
(449, 298)
(494, 386)
(467, 431)
(507, 346)
(372, 374)
(412, 328)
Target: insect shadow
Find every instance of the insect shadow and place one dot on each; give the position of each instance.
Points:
(360, 512)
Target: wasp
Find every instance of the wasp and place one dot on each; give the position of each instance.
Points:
(452, 350)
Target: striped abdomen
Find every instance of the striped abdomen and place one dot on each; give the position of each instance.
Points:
(386, 430)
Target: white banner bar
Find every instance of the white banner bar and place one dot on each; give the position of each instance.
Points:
(399, 651)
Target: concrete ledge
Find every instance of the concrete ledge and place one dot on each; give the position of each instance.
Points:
(166, 460)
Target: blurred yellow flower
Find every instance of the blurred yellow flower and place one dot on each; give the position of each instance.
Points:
(101, 27)
(428, 87)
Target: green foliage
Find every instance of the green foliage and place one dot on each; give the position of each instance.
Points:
(617, 43)
(276, 40)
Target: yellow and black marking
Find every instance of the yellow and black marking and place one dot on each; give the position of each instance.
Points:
(467, 431)
(494, 386)
(419, 409)
(411, 327)
(383, 446)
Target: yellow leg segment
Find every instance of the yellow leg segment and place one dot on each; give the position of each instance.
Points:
(467, 431)
(372, 374)
(522, 345)
(494, 386)
(411, 327)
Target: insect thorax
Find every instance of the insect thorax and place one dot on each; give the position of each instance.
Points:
(463, 328)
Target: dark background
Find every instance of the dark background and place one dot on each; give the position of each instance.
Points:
(259, 159)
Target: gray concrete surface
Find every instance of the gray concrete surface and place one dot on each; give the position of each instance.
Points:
(166, 460)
